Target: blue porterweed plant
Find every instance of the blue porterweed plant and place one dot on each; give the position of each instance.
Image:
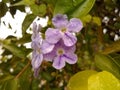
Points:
(65, 56)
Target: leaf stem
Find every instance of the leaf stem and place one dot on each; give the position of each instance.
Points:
(22, 71)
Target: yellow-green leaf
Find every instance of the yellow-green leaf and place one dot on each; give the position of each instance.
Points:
(86, 19)
(80, 80)
(97, 21)
(103, 81)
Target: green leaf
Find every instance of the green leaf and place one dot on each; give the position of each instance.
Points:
(82, 9)
(7, 81)
(86, 19)
(97, 21)
(103, 81)
(3, 9)
(11, 84)
(25, 79)
(107, 63)
(53, 2)
(65, 6)
(80, 80)
(77, 2)
(114, 47)
(24, 2)
(13, 48)
(27, 22)
(116, 57)
(25, 39)
(5, 78)
(74, 8)
(39, 10)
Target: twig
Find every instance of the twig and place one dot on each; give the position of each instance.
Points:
(22, 71)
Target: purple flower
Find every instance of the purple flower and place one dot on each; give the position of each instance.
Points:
(37, 58)
(61, 54)
(64, 30)
(36, 37)
(40, 47)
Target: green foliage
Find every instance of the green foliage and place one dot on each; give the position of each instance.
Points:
(7, 82)
(5, 78)
(25, 39)
(25, 80)
(13, 48)
(68, 4)
(39, 10)
(77, 8)
(107, 63)
(24, 2)
(97, 21)
(86, 19)
(10, 85)
(83, 8)
(27, 22)
(114, 47)
(3, 9)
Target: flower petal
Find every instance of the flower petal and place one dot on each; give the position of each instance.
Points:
(36, 28)
(61, 45)
(52, 35)
(60, 21)
(35, 36)
(69, 39)
(75, 25)
(58, 62)
(46, 47)
(49, 56)
(70, 49)
(36, 43)
(36, 60)
(70, 58)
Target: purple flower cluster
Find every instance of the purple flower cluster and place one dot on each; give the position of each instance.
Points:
(59, 43)
(40, 47)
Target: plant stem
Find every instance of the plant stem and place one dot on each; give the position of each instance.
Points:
(22, 71)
